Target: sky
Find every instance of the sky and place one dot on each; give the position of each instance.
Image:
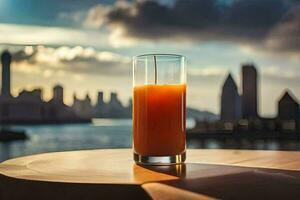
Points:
(87, 46)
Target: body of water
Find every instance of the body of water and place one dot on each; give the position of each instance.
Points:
(112, 133)
(100, 134)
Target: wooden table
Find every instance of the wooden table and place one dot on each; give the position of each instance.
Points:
(112, 174)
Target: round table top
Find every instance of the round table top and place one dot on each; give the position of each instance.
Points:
(116, 166)
(112, 174)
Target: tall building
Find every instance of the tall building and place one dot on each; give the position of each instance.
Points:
(58, 94)
(100, 99)
(101, 109)
(249, 93)
(5, 60)
(230, 101)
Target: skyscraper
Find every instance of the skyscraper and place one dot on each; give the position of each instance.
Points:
(230, 101)
(58, 94)
(5, 60)
(100, 99)
(249, 93)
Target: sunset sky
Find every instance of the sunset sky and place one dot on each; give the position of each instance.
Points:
(87, 45)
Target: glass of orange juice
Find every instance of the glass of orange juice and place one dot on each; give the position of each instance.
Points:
(159, 109)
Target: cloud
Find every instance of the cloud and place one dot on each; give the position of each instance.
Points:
(265, 22)
(281, 75)
(96, 16)
(76, 60)
(207, 71)
(286, 35)
(277, 71)
(150, 19)
(75, 17)
(42, 35)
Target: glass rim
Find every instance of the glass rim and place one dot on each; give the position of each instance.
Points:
(142, 56)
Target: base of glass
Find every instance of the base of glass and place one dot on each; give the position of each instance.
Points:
(159, 160)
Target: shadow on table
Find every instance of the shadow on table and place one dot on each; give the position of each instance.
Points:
(16, 189)
(172, 170)
(232, 182)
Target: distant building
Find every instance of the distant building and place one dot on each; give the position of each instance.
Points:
(249, 93)
(5, 60)
(115, 107)
(111, 109)
(288, 107)
(230, 101)
(101, 108)
(34, 95)
(288, 111)
(58, 94)
(28, 106)
(100, 99)
(55, 109)
(82, 108)
(115, 103)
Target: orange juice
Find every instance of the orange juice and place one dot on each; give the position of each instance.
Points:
(159, 113)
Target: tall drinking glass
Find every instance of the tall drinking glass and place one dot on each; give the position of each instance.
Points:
(159, 109)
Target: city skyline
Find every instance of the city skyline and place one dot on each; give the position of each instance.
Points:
(107, 94)
(85, 46)
(244, 105)
(29, 107)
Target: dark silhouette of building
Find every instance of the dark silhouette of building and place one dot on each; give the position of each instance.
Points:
(249, 93)
(5, 60)
(288, 112)
(230, 101)
(34, 95)
(101, 108)
(28, 106)
(100, 99)
(288, 107)
(83, 108)
(58, 94)
(57, 110)
(111, 109)
(115, 103)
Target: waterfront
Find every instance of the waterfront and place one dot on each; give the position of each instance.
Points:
(112, 133)
(100, 134)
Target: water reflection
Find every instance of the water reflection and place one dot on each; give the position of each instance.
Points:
(260, 144)
(5, 151)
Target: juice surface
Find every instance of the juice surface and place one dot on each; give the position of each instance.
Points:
(159, 113)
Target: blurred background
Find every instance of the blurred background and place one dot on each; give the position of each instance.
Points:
(66, 71)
